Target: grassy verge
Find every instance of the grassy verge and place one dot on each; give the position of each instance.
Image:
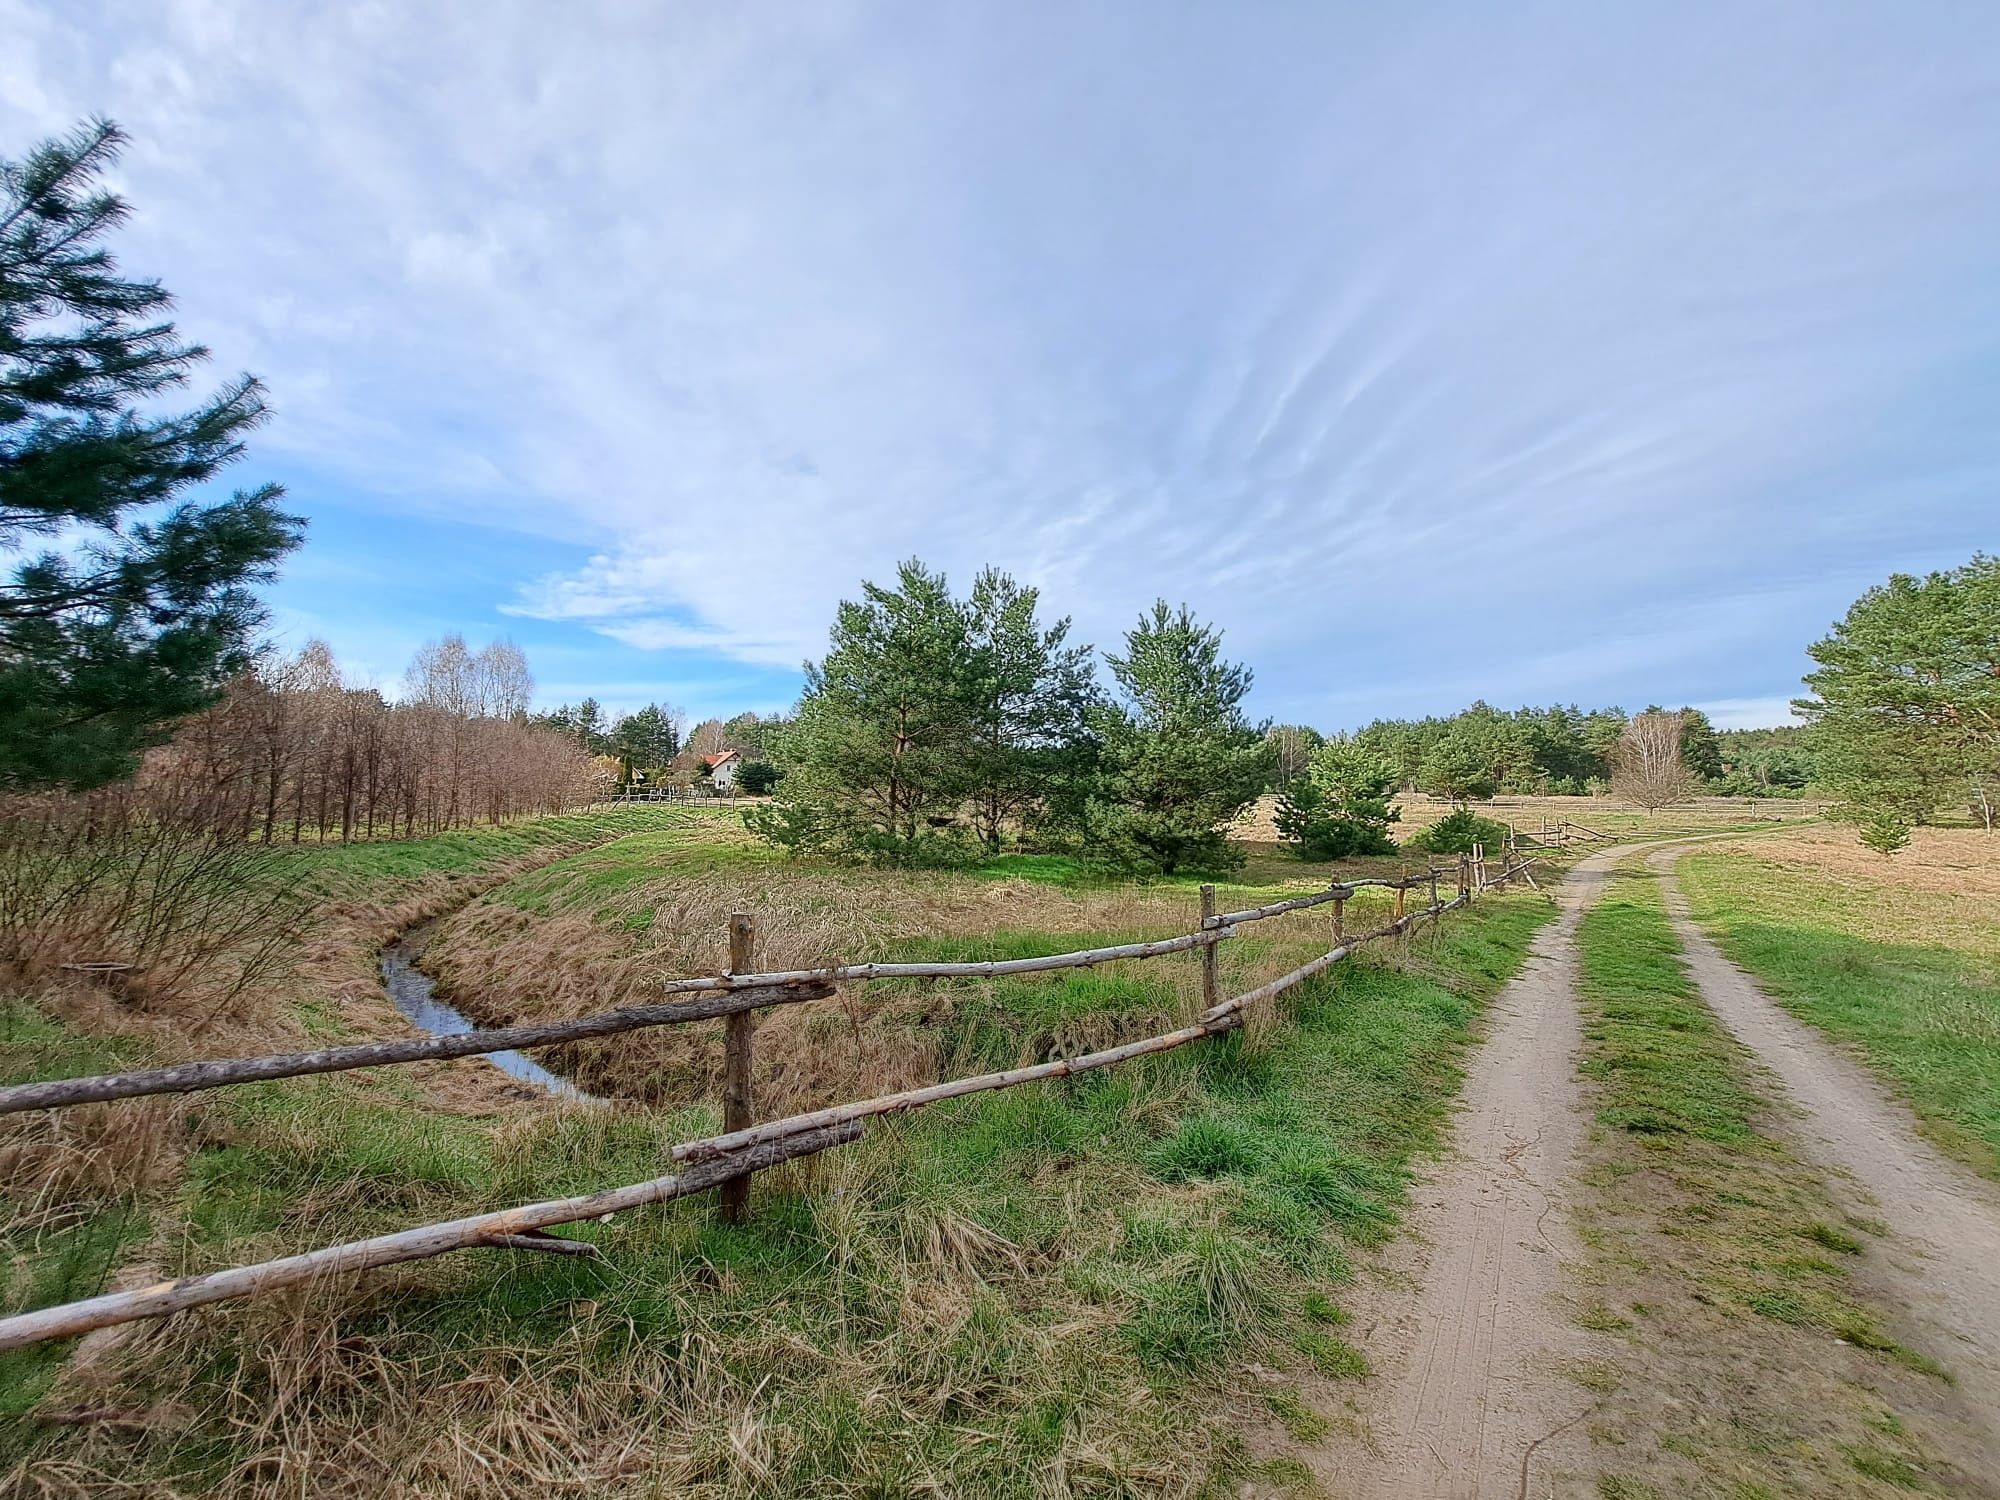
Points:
(1034, 1292)
(1718, 1258)
(1911, 979)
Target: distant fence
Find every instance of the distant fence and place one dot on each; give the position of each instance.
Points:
(1555, 833)
(724, 1161)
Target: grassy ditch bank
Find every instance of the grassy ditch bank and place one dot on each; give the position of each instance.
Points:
(1747, 1361)
(1050, 1290)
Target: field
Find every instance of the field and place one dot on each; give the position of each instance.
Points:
(1139, 1281)
(1602, 814)
(1054, 1289)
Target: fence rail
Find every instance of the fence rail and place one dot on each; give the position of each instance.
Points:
(724, 1161)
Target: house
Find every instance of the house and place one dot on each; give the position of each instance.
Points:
(722, 770)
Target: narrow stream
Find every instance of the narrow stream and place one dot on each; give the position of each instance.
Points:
(415, 995)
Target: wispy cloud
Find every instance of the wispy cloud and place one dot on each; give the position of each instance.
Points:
(1576, 352)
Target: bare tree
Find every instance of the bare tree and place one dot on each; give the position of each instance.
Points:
(709, 737)
(506, 686)
(1646, 765)
(293, 742)
(1294, 745)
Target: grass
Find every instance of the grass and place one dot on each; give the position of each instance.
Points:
(1910, 979)
(1700, 1214)
(1027, 1292)
(369, 868)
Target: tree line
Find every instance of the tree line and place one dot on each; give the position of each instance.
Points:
(1560, 750)
(648, 749)
(293, 750)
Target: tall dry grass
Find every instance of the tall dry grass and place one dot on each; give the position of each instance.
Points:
(501, 964)
(138, 890)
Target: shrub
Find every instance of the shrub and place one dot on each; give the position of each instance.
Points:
(823, 827)
(135, 878)
(1885, 833)
(1340, 807)
(757, 777)
(1457, 833)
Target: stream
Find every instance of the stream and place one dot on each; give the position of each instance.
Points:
(415, 994)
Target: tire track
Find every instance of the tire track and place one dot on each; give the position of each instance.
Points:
(1942, 1272)
(1471, 1400)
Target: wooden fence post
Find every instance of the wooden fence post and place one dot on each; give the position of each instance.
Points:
(1464, 883)
(738, 1106)
(1339, 922)
(1209, 991)
(1434, 895)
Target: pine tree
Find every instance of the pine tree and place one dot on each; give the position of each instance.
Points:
(647, 740)
(104, 645)
(1906, 712)
(1342, 805)
(1179, 759)
(880, 743)
(1456, 767)
(1701, 751)
(1029, 747)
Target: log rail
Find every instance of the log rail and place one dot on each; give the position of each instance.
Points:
(721, 1161)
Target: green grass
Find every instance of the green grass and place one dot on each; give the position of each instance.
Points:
(1042, 1281)
(1694, 1192)
(1672, 1079)
(1925, 1015)
(464, 851)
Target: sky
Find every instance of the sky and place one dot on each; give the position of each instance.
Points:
(1541, 352)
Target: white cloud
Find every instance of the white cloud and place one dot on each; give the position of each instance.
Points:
(1561, 355)
(1749, 713)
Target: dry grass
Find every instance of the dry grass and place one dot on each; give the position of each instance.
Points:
(573, 950)
(1039, 1293)
(1950, 862)
(1604, 814)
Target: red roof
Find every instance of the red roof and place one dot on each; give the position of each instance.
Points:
(712, 761)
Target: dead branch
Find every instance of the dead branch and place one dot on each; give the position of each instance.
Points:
(165, 1297)
(843, 973)
(186, 1078)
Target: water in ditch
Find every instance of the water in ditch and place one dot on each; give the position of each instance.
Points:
(415, 994)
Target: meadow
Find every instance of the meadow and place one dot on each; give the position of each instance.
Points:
(1054, 1289)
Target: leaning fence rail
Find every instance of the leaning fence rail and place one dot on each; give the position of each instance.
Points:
(723, 1161)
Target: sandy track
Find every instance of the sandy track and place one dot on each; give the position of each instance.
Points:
(1942, 1272)
(1470, 1399)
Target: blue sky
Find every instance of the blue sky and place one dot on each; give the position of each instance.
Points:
(1558, 351)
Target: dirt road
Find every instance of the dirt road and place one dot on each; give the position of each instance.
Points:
(1465, 1322)
(1471, 1400)
(1942, 1272)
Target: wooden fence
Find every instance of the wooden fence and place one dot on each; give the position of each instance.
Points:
(724, 1161)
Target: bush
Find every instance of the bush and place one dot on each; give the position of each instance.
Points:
(1457, 834)
(136, 878)
(757, 777)
(833, 831)
(1340, 807)
(1306, 820)
(1129, 841)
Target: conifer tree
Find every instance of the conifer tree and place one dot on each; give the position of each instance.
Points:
(1905, 712)
(1180, 761)
(105, 643)
(1029, 748)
